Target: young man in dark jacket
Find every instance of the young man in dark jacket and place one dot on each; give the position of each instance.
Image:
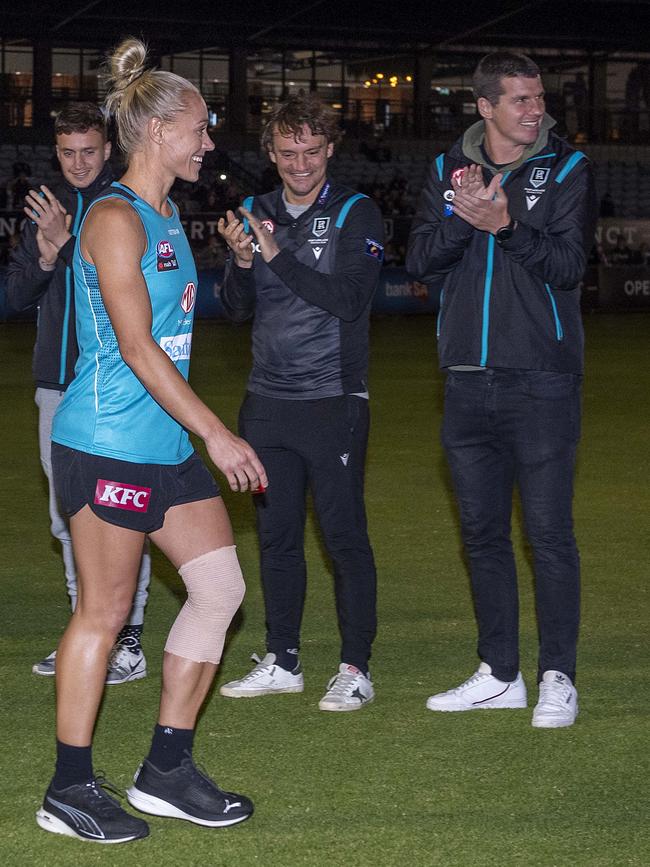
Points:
(307, 272)
(40, 273)
(505, 224)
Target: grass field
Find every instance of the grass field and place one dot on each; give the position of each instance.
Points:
(393, 784)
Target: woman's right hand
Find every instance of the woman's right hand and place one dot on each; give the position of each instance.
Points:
(237, 461)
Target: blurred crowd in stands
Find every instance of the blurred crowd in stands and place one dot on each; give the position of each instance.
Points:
(224, 184)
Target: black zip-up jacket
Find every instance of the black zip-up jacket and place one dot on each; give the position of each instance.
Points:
(55, 351)
(311, 302)
(515, 304)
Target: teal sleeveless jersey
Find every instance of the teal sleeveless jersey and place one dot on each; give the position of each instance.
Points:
(106, 410)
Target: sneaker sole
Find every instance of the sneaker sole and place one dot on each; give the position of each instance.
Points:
(553, 724)
(515, 705)
(233, 692)
(36, 670)
(157, 807)
(51, 823)
(348, 707)
(136, 675)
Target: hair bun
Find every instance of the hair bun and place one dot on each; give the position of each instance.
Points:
(127, 63)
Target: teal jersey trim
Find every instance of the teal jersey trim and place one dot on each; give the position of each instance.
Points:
(487, 290)
(541, 157)
(345, 210)
(68, 296)
(440, 165)
(559, 331)
(573, 160)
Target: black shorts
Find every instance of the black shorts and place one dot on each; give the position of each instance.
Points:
(133, 496)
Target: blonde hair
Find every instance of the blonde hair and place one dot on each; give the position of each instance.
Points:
(137, 93)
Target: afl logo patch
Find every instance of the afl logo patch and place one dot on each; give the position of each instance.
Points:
(166, 256)
(188, 297)
(269, 225)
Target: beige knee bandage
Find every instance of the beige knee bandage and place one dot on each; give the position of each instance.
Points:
(215, 589)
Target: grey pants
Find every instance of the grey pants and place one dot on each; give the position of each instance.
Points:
(47, 401)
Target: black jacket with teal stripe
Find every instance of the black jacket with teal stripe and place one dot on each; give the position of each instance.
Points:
(55, 351)
(514, 305)
(311, 303)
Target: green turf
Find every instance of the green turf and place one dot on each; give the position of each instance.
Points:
(393, 784)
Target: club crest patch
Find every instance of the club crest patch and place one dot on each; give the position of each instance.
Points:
(320, 226)
(538, 177)
(166, 256)
(374, 249)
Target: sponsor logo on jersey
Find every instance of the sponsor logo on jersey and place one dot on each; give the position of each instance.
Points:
(324, 193)
(120, 495)
(178, 347)
(320, 226)
(166, 256)
(457, 175)
(269, 225)
(538, 177)
(317, 251)
(188, 297)
(374, 249)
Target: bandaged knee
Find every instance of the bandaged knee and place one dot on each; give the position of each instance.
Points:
(215, 590)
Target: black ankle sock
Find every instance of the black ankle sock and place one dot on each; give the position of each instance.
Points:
(287, 659)
(74, 765)
(131, 630)
(169, 746)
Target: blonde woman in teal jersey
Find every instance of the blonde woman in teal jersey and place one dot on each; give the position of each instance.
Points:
(124, 468)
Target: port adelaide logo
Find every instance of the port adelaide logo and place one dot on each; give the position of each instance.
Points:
(166, 256)
(320, 226)
(535, 189)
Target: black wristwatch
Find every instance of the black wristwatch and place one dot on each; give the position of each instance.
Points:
(505, 232)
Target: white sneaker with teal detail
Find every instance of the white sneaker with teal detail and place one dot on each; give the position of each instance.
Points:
(558, 702)
(349, 689)
(267, 678)
(481, 691)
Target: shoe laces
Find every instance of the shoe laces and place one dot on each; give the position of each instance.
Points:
(260, 668)
(554, 694)
(343, 683)
(122, 649)
(194, 770)
(100, 787)
(477, 677)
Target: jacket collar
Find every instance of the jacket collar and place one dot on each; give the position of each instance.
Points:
(475, 136)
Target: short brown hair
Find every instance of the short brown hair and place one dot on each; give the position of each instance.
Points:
(486, 80)
(302, 109)
(80, 117)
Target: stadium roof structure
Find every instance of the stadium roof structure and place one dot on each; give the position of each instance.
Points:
(354, 26)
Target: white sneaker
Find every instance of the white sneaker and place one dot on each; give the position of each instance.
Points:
(482, 690)
(558, 702)
(265, 679)
(126, 662)
(350, 689)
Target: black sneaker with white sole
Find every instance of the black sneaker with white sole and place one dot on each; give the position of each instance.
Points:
(87, 812)
(186, 793)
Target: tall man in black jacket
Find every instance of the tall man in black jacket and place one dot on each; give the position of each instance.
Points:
(505, 224)
(40, 272)
(305, 262)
